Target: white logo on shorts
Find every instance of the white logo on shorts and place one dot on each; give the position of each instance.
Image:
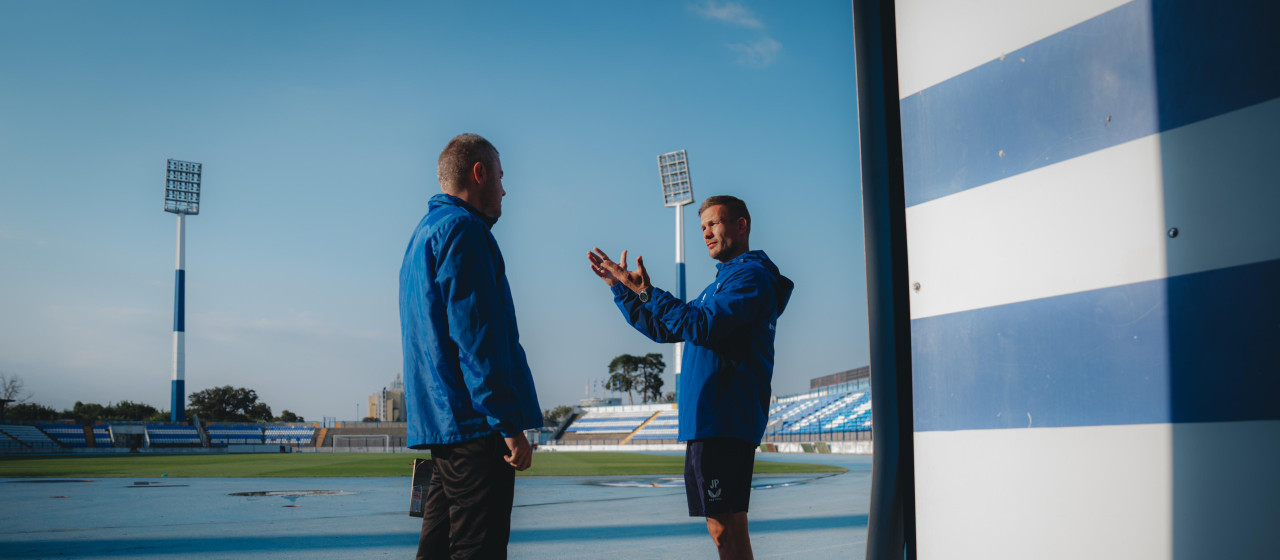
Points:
(714, 491)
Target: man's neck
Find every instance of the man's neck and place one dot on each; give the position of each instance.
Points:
(744, 251)
(465, 195)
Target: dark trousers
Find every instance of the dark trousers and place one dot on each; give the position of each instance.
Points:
(468, 511)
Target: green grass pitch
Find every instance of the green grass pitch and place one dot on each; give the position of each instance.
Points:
(346, 464)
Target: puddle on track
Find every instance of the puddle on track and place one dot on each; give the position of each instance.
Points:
(49, 481)
(762, 482)
(292, 493)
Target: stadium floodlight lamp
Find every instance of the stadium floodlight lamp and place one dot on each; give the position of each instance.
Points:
(677, 189)
(182, 187)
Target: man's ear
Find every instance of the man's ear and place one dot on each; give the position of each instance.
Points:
(743, 226)
(479, 174)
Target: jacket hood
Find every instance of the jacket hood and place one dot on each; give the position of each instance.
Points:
(443, 199)
(758, 258)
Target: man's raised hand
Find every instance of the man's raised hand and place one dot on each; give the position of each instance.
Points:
(635, 280)
(594, 261)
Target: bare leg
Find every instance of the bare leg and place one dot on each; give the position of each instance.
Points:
(729, 532)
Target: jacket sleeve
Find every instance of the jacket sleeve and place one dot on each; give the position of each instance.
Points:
(744, 296)
(639, 315)
(468, 282)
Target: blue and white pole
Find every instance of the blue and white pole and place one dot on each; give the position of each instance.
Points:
(677, 191)
(679, 279)
(176, 403)
(181, 197)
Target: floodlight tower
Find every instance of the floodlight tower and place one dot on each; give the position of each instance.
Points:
(181, 197)
(677, 191)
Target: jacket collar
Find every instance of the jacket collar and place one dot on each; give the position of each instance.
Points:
(443, 199)
(756, 255)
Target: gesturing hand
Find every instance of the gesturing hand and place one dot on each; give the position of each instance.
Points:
(611, 272)
(594, 260)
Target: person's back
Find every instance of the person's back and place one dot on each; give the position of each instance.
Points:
(479, 397)
(468, 390)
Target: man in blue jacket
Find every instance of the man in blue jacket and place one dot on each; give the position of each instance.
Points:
(727, 366)
(468, 390)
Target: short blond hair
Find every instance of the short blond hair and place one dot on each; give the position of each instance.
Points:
(736, 207)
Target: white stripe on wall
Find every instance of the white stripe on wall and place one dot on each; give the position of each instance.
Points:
(940, 39)
(1099, 220)
(1086, 223)
(1195, 490)
(1046, 493)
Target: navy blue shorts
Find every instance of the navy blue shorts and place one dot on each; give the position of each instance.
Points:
(717, 476)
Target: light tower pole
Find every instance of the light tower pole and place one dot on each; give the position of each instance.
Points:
(677, 191)
(181, 197)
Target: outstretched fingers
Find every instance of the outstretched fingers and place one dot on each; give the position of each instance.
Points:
(640, 268)
(600, 272)
(600, 259)
(604, 268)
(598, 256)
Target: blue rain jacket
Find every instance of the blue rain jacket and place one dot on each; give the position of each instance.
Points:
(728, 356)
(465, 373)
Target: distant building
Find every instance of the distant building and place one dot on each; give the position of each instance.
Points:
(601, 401)
(861, 375)
(388, 405)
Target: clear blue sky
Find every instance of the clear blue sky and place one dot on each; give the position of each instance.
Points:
(319, 124)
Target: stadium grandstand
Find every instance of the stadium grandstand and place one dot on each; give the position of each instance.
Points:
(662, 427)
(19, 437)
(288, 435)
(836, 408)
(610, 424)
(101, 437)
(239, 435)
(71, 436)
(169, 435)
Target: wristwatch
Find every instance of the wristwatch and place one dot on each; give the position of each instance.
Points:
(644, 295)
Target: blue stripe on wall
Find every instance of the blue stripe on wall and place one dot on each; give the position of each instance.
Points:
(1103, 82)
(1193, 348)
(179, 301)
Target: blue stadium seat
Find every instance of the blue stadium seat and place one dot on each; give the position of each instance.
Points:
(70, 435)
(226, 435)
(289, 435)
(173, 435)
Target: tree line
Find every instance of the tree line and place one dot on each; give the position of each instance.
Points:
(216, 404)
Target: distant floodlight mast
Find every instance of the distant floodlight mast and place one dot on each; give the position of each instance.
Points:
(181, 197)
(677, 191)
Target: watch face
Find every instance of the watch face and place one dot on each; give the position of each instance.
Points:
(644, 296)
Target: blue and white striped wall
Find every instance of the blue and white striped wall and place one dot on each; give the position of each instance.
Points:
(1086, 383)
